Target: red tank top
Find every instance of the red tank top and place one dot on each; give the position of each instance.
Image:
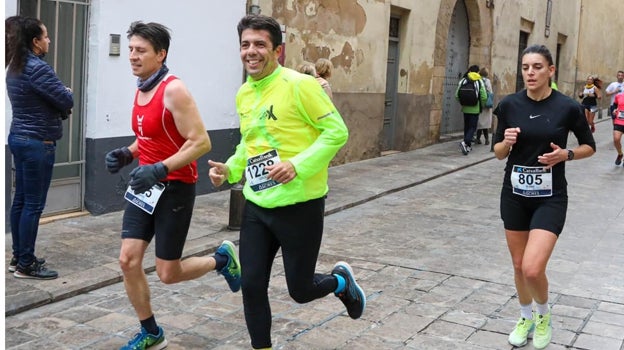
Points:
(157, 135)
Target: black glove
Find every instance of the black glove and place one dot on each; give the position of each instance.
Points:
(117, 159)
(144, 177)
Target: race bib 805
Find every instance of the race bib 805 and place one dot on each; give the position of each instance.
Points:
(531, 181)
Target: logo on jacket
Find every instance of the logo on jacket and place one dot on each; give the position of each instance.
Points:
(268, 114)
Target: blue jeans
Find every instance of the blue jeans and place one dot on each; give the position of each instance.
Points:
(33, 160)
(470, 126)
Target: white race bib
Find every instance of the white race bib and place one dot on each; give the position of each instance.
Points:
(531, 181)
(621, 115)
(147, 200)
(257, 175)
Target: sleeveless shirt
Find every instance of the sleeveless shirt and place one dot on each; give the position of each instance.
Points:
(157, 135)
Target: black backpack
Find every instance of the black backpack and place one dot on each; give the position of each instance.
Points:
(468, 92)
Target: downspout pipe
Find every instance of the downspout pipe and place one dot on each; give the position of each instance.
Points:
(254, 8)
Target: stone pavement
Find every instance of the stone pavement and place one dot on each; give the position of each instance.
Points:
(423, 234)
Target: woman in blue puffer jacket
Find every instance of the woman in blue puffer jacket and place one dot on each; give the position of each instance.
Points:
(40, 101)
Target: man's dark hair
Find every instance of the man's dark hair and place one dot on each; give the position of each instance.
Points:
(27, 29)
(261, 22)
(474, 69)
(542, 50)
(157, 34)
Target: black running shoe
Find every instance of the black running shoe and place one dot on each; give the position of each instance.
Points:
(463, 147)
(352, 296)
(34, 271)
(13, 263)
(618, 160)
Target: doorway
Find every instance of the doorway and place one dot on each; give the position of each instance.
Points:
(457, 56)
(390, 101)
(67, 24)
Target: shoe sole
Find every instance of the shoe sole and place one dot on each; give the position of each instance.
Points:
(357, 286)
(159, 346)
(234, 257)
(18, 274)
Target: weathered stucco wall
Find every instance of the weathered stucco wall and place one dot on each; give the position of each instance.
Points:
(354, 36)
(600, 43)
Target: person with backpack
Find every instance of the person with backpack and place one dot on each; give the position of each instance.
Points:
(471, 94)
(485, 117)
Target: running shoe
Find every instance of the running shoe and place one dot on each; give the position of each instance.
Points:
(13, 262)
(352, 296)
(618, 161)
(543, 331)
(34, 271)
(232, 270)
(518, 337)
(144, 341)
(463, 148)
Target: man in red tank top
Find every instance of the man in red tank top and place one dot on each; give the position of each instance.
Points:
(170, 136)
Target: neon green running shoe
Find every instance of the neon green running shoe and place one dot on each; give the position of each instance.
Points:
(518, 337)
(232, 270)
(543, 331)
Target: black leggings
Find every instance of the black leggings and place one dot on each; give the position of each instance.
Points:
(298, 230)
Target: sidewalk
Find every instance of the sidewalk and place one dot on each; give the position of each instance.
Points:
(431, 258)
(84, 250)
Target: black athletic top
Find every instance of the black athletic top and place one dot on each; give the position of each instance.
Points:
(540, 123)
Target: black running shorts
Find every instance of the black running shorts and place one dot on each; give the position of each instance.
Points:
(169, 223)
(527, 213)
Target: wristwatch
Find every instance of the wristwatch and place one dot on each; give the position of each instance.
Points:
(570, 154)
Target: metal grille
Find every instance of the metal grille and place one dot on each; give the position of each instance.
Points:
(67, 24)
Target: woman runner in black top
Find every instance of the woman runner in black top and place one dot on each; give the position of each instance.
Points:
(532, 133)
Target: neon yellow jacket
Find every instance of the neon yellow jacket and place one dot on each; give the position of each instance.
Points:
(288, 112)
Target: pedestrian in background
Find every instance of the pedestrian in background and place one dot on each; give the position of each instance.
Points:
(170, 136)
(618, 126)
(485, 117)
(532, 133)
(290, 131)
(589, 96)
(473, 87)
(613, 89)
(307, 68)
(324, 68)
(39, 101)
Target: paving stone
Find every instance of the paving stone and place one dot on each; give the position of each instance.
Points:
(431, 258)
(604, 330)
(590, 341)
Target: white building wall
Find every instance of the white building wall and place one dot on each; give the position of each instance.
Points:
(203, 53)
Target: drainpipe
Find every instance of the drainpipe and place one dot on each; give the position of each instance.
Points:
(578, 42)
(254, 8)
(237, 200)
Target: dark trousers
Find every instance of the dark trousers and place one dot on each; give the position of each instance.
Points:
(298, 230)
(483, 132)
(33, 160)
(470, 126)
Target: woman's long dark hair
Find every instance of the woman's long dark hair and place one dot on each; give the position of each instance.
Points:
(28, 29)
(11, 28)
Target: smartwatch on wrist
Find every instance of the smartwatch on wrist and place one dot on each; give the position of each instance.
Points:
(570, 154)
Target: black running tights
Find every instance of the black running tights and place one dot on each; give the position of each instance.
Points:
(298, 230)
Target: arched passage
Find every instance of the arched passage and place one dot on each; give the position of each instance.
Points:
(460, 34)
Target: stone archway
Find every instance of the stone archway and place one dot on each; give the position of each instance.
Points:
(480, 34)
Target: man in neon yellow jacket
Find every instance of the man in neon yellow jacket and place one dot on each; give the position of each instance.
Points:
(290, 131)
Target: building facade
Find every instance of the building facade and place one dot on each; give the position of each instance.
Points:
(396, 66)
